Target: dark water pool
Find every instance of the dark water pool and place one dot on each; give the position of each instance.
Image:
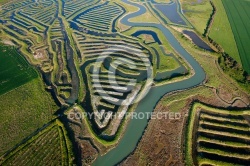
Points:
(197, 40)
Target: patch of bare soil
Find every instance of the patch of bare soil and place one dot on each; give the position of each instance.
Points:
(225, 94)
(85, 151)
(40, 54)
(180, 29)
(88, 153)
(8, 42)
(123, 27)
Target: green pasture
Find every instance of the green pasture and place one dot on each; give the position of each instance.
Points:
(49, 146)
(239, 17)
(197, 13)
(3, 1)
(23, 111)
(14, 69)
(221, 32)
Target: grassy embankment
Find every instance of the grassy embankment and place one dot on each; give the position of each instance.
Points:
(146, 17)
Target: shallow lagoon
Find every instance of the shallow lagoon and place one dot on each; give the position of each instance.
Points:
(171, 12)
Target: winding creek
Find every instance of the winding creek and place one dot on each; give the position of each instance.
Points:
(136, 127)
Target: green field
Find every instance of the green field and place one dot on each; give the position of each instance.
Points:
(238, 14)
(23, 111)
(197, 13)
(49, 146)
(221, 25)
(3, 1)
(14, 69)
